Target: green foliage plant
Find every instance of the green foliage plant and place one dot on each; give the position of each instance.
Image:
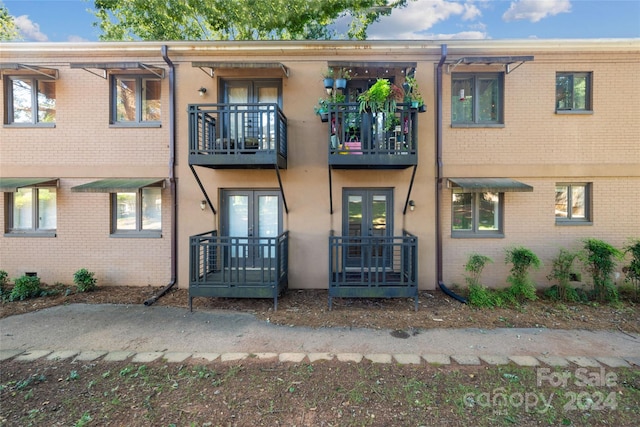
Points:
(25, 287)
(4, 281)
(84, 280)
(522, 260)
(632, 270)
(561, 272)
(599, 259)
(479, 295)
(414, 94)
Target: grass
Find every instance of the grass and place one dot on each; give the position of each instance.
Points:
(334, 393)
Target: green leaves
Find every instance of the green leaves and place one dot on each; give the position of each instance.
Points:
(236, 19)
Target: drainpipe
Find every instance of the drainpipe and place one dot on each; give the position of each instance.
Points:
(439, 268)
(172, 180)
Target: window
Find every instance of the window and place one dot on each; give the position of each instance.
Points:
(138, 213)
(476, 99)
(477, 214)
(136, 100)
(30, 101)
(573, 203)
(573, 92)
(32, 210)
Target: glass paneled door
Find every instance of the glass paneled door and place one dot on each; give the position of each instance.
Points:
(250, 219)
(253, 126)
(368, 213)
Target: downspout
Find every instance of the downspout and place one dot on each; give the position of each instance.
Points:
(172, 180)
(439, 177)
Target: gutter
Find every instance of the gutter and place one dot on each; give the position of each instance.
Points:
(172, 180)
(439, 178)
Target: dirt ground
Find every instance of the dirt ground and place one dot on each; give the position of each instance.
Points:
(309, 308)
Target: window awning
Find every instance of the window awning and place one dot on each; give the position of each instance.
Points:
(11, 185)
(14, 68)
(118, 185)
(213, 66)
(118, 66)
(507, 61)
(482, 185)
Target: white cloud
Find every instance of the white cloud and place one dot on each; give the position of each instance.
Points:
(30, 30)
(413, 21)
(535, 10)
(76, 39)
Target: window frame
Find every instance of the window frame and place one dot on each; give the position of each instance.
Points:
(588, 108)
(35, 230)
(588, 192)
(139, 101)
(139, 230)
(475, 232)
(9, 119)
(476, 77)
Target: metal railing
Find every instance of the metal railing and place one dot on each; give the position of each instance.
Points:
(373, 266)
(238, 267)
(230, 128)
(351, 132)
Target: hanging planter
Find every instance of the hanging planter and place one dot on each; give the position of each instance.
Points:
(328, 78)
(342, 76)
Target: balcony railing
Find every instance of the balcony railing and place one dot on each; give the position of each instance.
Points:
(251, 135)
(372, 140)
(238, 267)
(373, 267)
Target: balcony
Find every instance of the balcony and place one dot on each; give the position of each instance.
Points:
(372, 141)
(238, 267)
(237, 136)
(373, 267)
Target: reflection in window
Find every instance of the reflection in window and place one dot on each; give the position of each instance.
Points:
(138, 211)
(34, 209)
(476, 213)
(31, 101)
(137, 99)
(572, 203)
(573, 91)
(476, 98)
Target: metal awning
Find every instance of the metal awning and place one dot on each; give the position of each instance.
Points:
(15, 68)
(118, 185)
(212, 66)
(482, 185)
(507, 61)
(11, 185)
(373, 68)
(118, 66)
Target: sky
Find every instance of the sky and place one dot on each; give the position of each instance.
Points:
(71, 20)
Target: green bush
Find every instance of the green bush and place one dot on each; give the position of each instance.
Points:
(4, 281)
(599, 259)
(522, 260)
(25, 287)
(562, 271)
(84, 280)
(632, 270)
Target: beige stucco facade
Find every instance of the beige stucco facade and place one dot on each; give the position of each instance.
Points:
(535, 145)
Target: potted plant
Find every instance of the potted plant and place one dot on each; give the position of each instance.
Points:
(328, 78)
(413, 93)
(381, 97)
(322, 108)
(342, 75)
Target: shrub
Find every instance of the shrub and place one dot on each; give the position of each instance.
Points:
(25, 287)
(522, 287)
(632, 270)
(479, 295)
(599, 259)
(562, 271)
(84, 280)
(474, 266)
(4, 281)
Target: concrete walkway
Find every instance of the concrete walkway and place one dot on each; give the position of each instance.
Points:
(142, 334)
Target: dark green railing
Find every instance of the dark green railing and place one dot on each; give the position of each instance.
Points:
(233, 135)
(238, 267)
(363, 139)
(373, 267)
